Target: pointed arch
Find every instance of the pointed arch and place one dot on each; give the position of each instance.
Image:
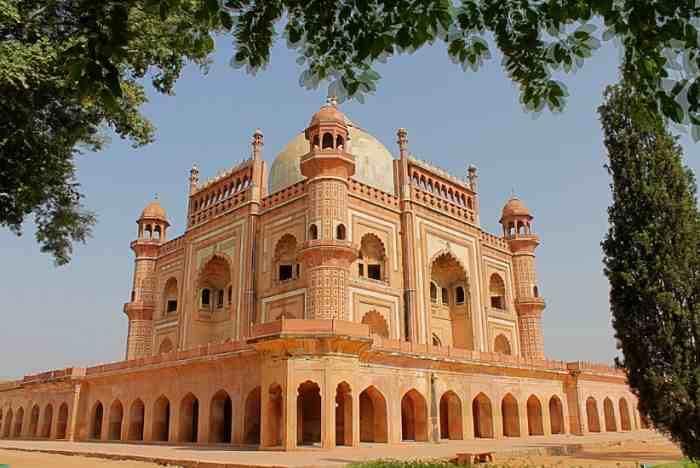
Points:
(189, 418)
(609, 411)
(373, 416)
(535, 424)
(451, 320)
(62, 423)
(592, 415)
(34, 421)
(221, 418)
(96, 421)
(170, 293)
(372, 261)
(511, 416)
(285, 258)
(414, 416)
(308, 413)
(451, 416)
(483, 417)
(19, 420)
(47, 422)
(251, 423)
(161, 419)
(556, 415)
(8, 424)
(116, 416)
(625, 421)
(501, 345)
(136, 419)
(497, 291)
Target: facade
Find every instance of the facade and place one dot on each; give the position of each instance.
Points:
(349, 297)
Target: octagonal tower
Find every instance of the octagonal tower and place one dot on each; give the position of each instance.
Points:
(327, 252)
(152, 226)
(517, 229)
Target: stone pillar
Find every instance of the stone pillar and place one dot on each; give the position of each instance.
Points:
(434, 419)
(327, 414)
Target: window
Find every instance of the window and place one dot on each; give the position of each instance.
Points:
(230, 295)
(316, 141)
(445, 296)
(172, 306)
(372, 257)
(298, 271)
(497, 291)
(339, 142)
(459, 295)
(220, 299)
(436, 340)
(327, 141)
(313, 232)
(433, 293)
(535, 291)
(340, 232)
(205, 297)
(285, 272)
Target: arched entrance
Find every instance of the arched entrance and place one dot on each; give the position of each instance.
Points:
(47, 421)
(556, 415)
(97, 417)
(483, 417)
(309, 413)
(8, 424)
(535, 425)
(220, 418)
(251, 424)
(343, 414)
(189, 418)
(511, 418)
(34, 421)
(592, 415)
(62, 423)
(274, 431)
(450, 317)
(451, 416)
(19, 419)
(373, 418)
(136, 418)
(414, 417)
(609, 410)
(625, 423)
(161, 420)
(116, 415)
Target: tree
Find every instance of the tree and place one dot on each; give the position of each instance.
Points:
(47, 118)
(652, 260)
(87, 59)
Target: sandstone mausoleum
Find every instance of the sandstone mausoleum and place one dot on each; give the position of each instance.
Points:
(348, 297)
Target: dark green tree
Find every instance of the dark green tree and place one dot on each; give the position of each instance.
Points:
(652, 260)
(68, 67)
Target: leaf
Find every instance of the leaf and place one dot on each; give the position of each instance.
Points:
(226, 20)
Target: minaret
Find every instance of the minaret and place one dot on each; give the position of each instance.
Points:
(410, 316)
(152, 226)
(327, 253)
(517, 230)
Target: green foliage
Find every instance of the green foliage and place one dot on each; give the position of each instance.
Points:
(652, 260)
(55, 100)
(68, 67)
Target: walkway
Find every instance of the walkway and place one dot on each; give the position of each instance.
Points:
(231, 456)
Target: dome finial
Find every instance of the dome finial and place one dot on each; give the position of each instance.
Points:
(332, 100)
(402, 140)
(155, 197)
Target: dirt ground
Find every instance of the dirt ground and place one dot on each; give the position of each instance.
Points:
(619, 455)
(18, 459)
(622, 455)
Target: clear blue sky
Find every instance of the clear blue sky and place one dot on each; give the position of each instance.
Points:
(58, 317)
